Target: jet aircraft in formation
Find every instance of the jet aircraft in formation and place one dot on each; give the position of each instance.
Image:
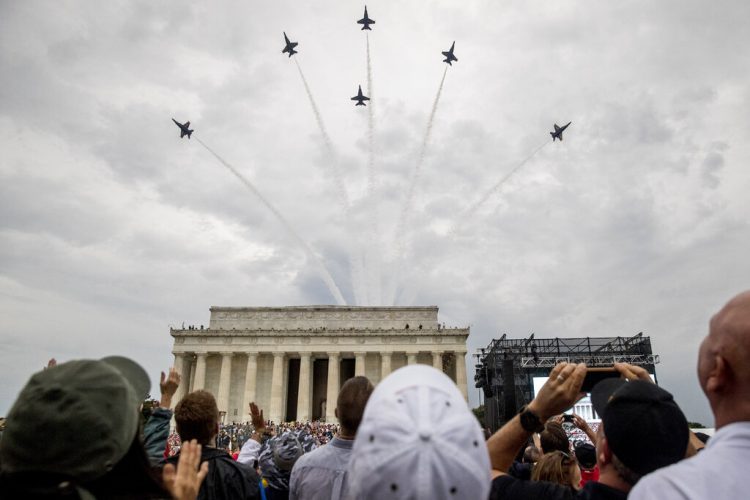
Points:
(449, 55)
(360, 98)
(557, 134)
(366, 21)
(184, 129)
(289, 46)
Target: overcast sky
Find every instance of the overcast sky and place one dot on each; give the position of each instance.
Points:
(112, 228)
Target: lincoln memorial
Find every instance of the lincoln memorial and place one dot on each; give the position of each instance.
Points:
(293, 360)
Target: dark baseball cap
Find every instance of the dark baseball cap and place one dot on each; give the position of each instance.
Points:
(77, 419)
(643, 425)
(586, 455)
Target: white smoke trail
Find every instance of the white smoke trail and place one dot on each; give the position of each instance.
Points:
(332, 159)
(337, 178)
(372, 254)
(370, 127)
(399, 238)
(321, 267)
(469, 212)
(418, 168)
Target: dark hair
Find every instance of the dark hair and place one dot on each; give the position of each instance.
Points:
(531, 454)
(626, 473)
(554, 438)
(351, 403)
(197, 416)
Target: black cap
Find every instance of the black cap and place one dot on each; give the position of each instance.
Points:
(643, 425)
(586, 455)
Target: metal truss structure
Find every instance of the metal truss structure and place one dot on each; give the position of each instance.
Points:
(506, 368)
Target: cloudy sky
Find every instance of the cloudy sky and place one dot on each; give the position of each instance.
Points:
(112, 228)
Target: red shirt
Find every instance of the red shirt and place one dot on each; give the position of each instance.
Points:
(589, 475)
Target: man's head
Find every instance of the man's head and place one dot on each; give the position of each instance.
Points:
(197, 417)
(350, 405)
(554, 438)
(418, 439)
(86, 412)
(642, 429)
(586, 455)
(531, 455)
(723, 371)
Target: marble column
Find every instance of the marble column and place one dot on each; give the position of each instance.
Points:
(305, 387)
(385, 364)
(225, 378)
(179, 366)
(461, 374)
(437, 360)
(359, 364)
(200, 371)
(277, 386)
(411, 358)
(251, 375)
(333, 386)
(191, 376)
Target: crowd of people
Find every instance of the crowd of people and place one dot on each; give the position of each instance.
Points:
(232, 437)
(80, 429)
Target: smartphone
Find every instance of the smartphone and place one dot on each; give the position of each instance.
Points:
(568, 418)
(596, 375)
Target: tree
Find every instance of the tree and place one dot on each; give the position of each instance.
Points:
(479, 412)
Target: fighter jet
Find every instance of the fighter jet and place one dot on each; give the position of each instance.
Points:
(184, 129)
(557, 134)
(366, 21)
(360, 98)
(289, 46)
(449, 55)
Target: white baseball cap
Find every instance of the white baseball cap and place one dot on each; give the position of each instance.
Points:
(418, 440)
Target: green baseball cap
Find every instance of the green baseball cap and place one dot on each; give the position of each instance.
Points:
(77, 419)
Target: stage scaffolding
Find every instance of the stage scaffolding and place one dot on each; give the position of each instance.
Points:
(506, 368)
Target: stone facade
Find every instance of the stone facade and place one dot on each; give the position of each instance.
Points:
(293, 360)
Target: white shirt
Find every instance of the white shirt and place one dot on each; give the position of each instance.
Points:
(720, 471)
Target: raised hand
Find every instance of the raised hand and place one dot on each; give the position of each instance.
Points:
(185, 482)
(559, 392)
(256, 417)
(633, 372)
(168, 386)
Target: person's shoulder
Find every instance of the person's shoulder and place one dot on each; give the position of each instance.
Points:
(511, 488)
(669, 482)
(312, 457)
(693, 470)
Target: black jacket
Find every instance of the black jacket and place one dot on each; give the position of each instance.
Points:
(226, 478)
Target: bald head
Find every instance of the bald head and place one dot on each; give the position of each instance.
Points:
(350, 405)
(723, 369)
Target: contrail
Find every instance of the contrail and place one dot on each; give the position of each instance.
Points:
(469, 212)
(321, 267)
(372, 256)
(398, 236)
(370, 127)
(335, 174)
(417, 170)
(332, 163)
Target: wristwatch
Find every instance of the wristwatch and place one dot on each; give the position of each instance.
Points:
(530, 421)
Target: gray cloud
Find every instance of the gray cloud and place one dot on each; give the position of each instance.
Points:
(111, 228)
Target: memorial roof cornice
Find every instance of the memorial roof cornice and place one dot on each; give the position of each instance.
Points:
(325, 308)
(307, 332)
